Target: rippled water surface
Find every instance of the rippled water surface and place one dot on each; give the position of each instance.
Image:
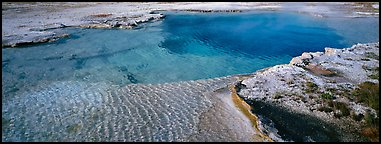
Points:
(46, 86)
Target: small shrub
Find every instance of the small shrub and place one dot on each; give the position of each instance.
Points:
(340, 106)
(337, 115)
(375, 73)
(372, 129)
(327, 96)
(332, 90)
(374, 76)
(369, 68)
(331, 103)
(343, 108)
(370, 120)
(372, 133)
(372, 55)
(368, 93)
(325, 109)
(357, 117)
(311, 87)
(306, 61)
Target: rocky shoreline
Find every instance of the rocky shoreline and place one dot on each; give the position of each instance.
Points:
(316, 84)
(28, 23)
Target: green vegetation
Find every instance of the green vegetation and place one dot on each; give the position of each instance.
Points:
(374, 76)
(372, 128)
(332, 90)
(368, 68)
(368, 93)
(311, 87)
(325, 109)
(345, 111)
(356, 117)
(343, 108)
(372, 55)
(375, 73)
(327, 96)
(371, 120)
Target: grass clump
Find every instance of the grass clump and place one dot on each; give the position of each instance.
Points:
(372, 128)
(368, 93)
(311, 87)
(343, 107)
(357, 117)
(374, 70)
(371, 120)
(374, 76)
(332, 90)
(372, 133)
(327, 96)
(372, 55)
(325, 109)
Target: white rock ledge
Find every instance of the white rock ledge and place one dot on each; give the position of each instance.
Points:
(286, 85)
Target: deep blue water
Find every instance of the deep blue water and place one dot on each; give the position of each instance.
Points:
(183, 46)
(254, 35)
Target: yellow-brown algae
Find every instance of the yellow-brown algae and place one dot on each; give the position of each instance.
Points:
(245, 109)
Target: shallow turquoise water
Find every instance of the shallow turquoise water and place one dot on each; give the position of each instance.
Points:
(70, 90)
(183, 46)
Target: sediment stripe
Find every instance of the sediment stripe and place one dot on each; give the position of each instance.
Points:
(245, 109)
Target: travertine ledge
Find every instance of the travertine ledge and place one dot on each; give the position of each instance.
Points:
(304, 84)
